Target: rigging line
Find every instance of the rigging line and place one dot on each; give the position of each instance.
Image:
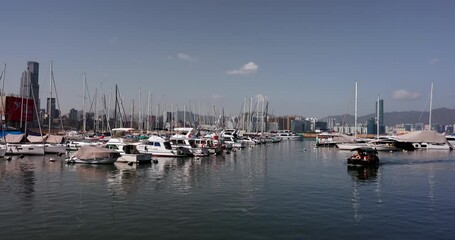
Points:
(56, 96)
(425, 107)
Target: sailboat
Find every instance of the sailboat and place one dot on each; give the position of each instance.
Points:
(54, 143)
(357, 143)
(2, 105)
(426, 139)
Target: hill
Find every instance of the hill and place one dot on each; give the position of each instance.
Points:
(442, 116)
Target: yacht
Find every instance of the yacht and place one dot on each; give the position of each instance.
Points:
(288, 135)
(160, 147)
(128, 151)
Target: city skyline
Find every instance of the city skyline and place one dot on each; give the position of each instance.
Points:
(303, 57)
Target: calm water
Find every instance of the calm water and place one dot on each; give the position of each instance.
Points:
(282, 191)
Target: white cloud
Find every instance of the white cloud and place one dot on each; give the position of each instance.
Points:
(434, 61)
(405, 95)
(247, 69)
(186, 57)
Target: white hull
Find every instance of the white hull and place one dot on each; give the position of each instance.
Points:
(54, 148)
(25, 149)
(431, 146)
(163, 152)
(350, 146)
(135, 158)
(2, 152)
(92, 161)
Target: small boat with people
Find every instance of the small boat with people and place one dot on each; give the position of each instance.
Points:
(365, 156)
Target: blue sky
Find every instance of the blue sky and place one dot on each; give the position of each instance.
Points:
(302, 56)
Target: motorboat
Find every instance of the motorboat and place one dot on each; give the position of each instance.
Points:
(364, 156)
(93, 155)
(128, 151)
(184, 138)
(160, 147)
(288, 135)
(209, 144)
(383, 145)
(327, 139)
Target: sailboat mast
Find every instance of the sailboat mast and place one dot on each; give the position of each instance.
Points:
(84, 117)
(431, 105)
(49, 107)
(115, 106)
(355, 112)
(377, 118)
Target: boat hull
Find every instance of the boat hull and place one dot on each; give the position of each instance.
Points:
(25, 149)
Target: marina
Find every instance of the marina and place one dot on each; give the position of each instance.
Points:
(288, 190)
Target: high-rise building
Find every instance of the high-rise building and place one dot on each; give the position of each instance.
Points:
(29, 84)
(380, 115)
(51, 109)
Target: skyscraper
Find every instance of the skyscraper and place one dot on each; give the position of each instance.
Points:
(380, 115)
(29, 85)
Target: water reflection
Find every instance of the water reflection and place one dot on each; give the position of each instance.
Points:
(363, 173)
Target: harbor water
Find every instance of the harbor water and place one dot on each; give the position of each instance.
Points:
(288, 190)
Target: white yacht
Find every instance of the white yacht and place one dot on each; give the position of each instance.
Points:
(128, 151)
(288, 135)
(160, 147)
(184, 137)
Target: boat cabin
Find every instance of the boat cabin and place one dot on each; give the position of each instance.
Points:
(364, 156)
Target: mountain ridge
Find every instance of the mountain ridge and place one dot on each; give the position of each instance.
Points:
(442, 116)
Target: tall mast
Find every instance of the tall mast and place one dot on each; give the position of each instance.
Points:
(431, 105)
(49, 107)
(115, 106)
(377, 118)
(84, 117)
(355, 112)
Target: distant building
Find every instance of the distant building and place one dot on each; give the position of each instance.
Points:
(29, 87)
(51, 109)
(320, 126)
(371, 126)
(29, 83)
(380, 115)
(73, 115)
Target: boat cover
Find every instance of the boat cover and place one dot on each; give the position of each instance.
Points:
(343, 138)
(54, 139)
(90, 152)
(36, 139)
(14, 138)
(422, 136)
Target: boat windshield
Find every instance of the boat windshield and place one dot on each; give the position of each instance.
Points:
(167, 145)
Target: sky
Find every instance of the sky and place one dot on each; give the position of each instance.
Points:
(303, 57)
